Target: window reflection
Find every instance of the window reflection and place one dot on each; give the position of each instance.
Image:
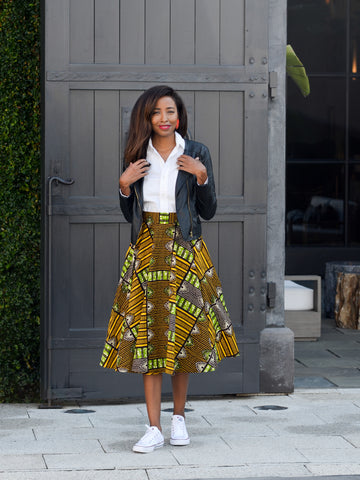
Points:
(354, 35)
(317, 31)
(354, 119)
(315, 204)
(354, 204)
(316, 125)
(323, 130)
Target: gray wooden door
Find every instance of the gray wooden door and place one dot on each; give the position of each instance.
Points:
(99, 56)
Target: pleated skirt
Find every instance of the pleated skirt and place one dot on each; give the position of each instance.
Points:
(169, 313)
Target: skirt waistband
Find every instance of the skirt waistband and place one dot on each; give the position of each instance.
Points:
(159, 218)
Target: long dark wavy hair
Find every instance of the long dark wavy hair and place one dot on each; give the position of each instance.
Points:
(140, 122)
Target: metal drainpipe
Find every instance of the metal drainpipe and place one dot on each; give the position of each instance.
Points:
(49, 338)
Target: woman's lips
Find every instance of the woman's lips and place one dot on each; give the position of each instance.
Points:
(164, 127)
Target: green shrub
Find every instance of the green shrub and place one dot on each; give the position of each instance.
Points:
(19, 200)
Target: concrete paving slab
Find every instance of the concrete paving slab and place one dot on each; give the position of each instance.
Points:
(327, 477)
(348, 380)
(324, 395)
(13, 411)
(331, 455)
(334, 469)
(243, 471)
(116, 410)
(320, 354)
(218, 406)
(354, 438)
(244, 427)
(77, 475)
(333, 334)
(351, 332)
(336, 477)
(253, 450)
(117, 421)
(22, 447)
(348, 348)
(355, 468)
(337, 412)
(313, 382)
(99, 411)
(95, 433)
(26, 463)
(327, 362)
(297, 441)
(325, 372)
(345, 392)
(281, 400)
(290, 418)
(329, 344)
(325, 429)
(271, 418)
(166, 408)
(23, 423)
(108, 461)
(13, 435)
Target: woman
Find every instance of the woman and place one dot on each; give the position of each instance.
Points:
(169, 315)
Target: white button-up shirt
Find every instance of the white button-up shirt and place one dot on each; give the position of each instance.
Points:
(159, 184)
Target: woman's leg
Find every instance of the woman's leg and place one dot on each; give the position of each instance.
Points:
(152, 388)
(180, 383)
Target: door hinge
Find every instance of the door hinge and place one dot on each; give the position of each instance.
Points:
(273, 84)
(271, 294)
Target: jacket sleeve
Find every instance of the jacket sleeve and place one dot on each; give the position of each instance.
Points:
(205, 194)
(126, 205)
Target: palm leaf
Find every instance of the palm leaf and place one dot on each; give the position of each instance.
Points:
(296, 70)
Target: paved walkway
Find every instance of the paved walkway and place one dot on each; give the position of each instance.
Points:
(317, 433)
(333, 361)
(314, 432)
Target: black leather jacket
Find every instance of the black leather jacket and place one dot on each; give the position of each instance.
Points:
(192, 200)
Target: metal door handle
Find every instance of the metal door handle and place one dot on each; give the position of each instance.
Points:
(51, 180)
(58, 180)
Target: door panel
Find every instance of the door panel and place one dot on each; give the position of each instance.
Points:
(100, 56)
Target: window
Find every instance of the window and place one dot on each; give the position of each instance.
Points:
(323, 130)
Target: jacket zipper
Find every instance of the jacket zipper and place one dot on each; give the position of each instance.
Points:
(188, 202)
(137, 197)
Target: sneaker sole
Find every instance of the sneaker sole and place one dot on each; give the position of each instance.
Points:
(140, 449)
(179, 442)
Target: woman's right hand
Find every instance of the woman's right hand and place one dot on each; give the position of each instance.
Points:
(134, 172)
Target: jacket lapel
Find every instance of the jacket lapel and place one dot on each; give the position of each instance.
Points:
(182, 176)
(180, 181)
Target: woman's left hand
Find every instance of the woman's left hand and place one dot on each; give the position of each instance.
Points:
(194, 166)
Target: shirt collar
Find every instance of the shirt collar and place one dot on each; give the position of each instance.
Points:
(180, 142)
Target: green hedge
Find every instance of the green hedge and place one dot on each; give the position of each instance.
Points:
(19, 200)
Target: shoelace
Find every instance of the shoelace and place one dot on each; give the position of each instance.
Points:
(150, 434)
(178, 425)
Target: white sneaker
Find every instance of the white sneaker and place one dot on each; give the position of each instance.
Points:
(152, 439)
(179, 434)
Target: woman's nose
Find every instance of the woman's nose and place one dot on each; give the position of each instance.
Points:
(164, 116)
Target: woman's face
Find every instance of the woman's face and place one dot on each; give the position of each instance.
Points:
(164, 117)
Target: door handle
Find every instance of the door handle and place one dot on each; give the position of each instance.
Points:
(51, 180)
(58, 180)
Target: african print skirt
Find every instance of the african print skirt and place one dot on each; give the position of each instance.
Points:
(169, 313)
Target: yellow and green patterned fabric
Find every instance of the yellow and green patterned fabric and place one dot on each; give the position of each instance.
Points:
(169, 313)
